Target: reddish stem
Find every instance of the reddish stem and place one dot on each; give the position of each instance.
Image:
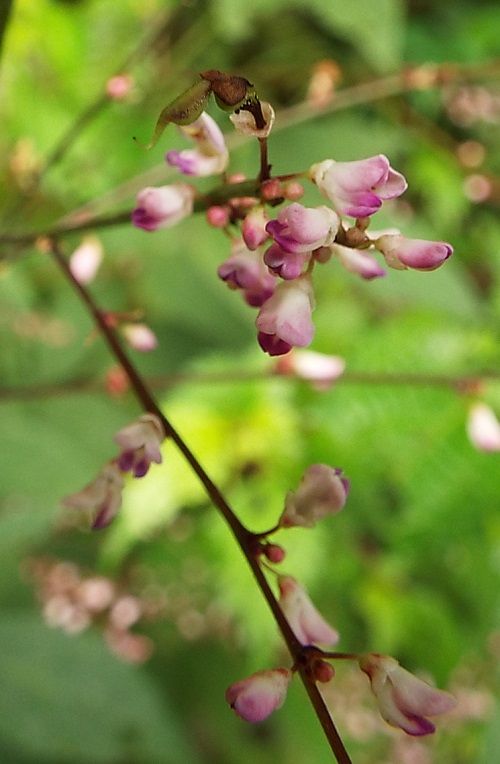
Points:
(245, 538)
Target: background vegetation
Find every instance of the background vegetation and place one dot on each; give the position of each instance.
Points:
(411, 566)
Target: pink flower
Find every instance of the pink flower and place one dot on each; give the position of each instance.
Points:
(245, 270)
(307, 623)
(318, 368)
(140, 444)
(357, 261)
(162, 207)
(322, 491)
(483, 427)
(244, 121)
(257, 696)
(404, 701)
(254, 228)
(86, 259)
(210, 157)
(103, 495)
(285, 319)
(288, 265)
(140, 337)
(419, 254)
(358, 188)
(302, 229)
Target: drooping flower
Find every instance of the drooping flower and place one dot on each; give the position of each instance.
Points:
(210, 157)
(302, 229)
(404, 700)
(322, 491)
(162, 207)
(307, 623)
(253, 228)
(483, 427)
(358, 188)
(140, 444)
(357, 261)
(244, 121)
(257, 696)
(285, 319)
(245, 270)
(102, 496)
(422, 255)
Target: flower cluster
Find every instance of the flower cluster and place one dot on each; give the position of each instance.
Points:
(272, 260)
(404, 700)
(139, 446)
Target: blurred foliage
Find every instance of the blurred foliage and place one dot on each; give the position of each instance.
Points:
(411, 566)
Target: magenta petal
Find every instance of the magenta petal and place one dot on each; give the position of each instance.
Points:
(272, 344)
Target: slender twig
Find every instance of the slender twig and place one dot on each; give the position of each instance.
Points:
(245, 538)
(265, 167)
(460, 383)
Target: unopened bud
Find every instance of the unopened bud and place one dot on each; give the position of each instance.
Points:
(293, 191)
(271, 189)
(323, 671)
(274, 553)
(218, 216)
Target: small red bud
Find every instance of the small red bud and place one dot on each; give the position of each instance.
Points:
(274, 553)
(293, 191)
(218, 216)
(323, 671)
(271, 189)
(117, 382)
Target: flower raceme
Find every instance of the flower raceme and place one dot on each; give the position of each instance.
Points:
(404, 700)
(102, 496)
(257, 696)
(322, 491)
(162, 207)
(306, 622)
(140, 444)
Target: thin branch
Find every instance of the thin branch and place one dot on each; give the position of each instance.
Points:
(245, 538)
(460, 383)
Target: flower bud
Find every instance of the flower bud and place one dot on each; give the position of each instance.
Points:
(483, 427)
(86, 259)
(162, 207)
(255, 698)
(140, 337)
(400, 252)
